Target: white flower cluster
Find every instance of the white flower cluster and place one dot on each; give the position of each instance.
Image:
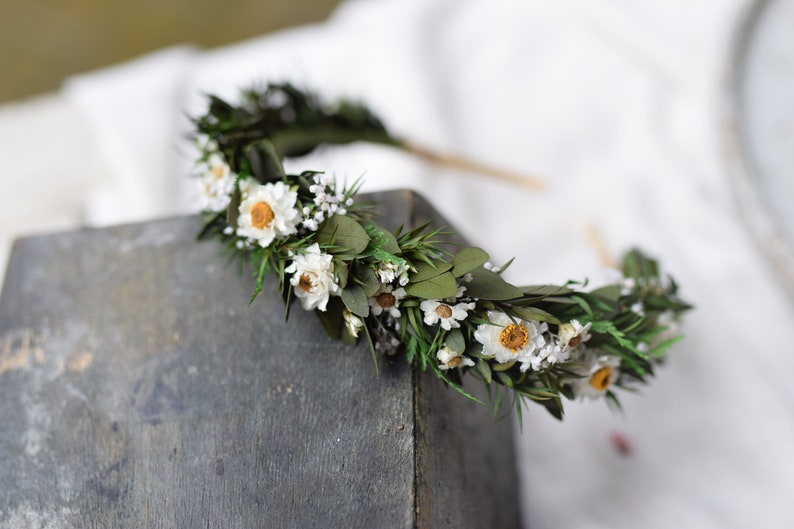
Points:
(327, 202)
(216, 185)
(388, 272)
(533, 346)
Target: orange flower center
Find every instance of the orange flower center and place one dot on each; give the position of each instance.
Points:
(444, 311)
(600, 380)
(385, 300)
(305, 282)
(514, 337)
(261, 215)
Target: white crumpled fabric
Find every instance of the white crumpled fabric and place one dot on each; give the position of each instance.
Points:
(615, 104)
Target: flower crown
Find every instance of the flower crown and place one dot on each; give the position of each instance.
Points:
(449, 312)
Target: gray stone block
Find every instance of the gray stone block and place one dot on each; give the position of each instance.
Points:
(138, 390)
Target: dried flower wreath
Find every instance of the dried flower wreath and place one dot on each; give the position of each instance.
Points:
(451, 313)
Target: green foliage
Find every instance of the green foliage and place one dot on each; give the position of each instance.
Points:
(560, 341)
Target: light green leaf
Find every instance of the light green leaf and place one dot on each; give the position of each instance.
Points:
(489, 285)
(438, 287)
(467, 260)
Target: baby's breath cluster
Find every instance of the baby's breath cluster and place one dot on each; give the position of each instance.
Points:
(448, 312)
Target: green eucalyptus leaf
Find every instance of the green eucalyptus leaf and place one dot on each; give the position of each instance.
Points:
(382, 238)
(345, 235)
(425, 271)
(485, 370)
(365, 276)
(340, 273)
(545, 290)
(233, 211)
(355, 300)
(503, 367)
(332, 319)
(534, 313)
(455, 341)
(490, 285)
(438, 287)
(467, 260)
(611, 292)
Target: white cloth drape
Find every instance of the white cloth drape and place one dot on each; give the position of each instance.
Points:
(614, 104)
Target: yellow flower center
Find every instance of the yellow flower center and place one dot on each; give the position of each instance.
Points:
(218, 171)
(600, 379)
(444, 311)
(261, 215)
(514, 337)
(385, 300)
(305, 282)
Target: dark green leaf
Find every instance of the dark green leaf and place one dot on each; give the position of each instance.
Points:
(332, 319)
(233, 211)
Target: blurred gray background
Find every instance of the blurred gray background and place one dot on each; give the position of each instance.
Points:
(45, 41)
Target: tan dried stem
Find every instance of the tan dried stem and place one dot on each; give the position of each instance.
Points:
(597, 243)
(458, 162)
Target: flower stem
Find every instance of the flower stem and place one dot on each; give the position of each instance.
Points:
(458, 162)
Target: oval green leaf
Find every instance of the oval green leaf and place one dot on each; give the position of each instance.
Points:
(439, 287)
(467, 260)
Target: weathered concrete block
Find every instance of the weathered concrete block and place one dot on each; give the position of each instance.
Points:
(137, 390)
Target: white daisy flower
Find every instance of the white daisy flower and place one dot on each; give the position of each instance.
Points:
(386, 300)
(217, 185)
(313, 278)
(353, 323)
(451, 359)
(507, 340)
(268, 212)
(638, 309)
(598, 373)
(446, 314)
(574, 333)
